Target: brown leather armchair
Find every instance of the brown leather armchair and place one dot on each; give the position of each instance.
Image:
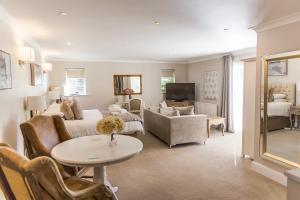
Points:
(41, 134)
(40, 179)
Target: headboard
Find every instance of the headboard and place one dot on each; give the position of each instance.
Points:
(285, 88)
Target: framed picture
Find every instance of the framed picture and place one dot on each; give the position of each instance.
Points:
(210, 85)
(5, 71)
(277, 68)
(36, 74)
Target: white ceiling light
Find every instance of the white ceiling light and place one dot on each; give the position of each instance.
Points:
(157, 22)
(68, 43)
(63, 13)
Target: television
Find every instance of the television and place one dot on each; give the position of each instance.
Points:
(180, 91)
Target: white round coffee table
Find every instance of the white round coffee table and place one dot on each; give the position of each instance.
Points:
(94, 151)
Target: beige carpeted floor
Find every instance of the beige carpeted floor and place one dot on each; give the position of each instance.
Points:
(213, 171)
(285, 144)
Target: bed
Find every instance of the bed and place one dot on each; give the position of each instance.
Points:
(87, 126)
(279, 112)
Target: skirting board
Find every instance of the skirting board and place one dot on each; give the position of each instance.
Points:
(269, 173)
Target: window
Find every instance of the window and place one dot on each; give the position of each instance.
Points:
(75, 82)
(167, 76)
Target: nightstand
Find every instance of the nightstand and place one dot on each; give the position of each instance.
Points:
(295, 110)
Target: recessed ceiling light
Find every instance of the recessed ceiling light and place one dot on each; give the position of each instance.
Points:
(68, 43)
(63, 13)
(157, 22)
(226, 29)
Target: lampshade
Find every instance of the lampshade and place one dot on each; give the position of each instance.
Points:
(36, 103)
(47, 67)
(27, 54)
(53, 95)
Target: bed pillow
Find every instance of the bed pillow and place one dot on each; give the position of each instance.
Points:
(188, 110)
(66, 109)
(279, 96)
(169, 113)
(280, 100)
(270, 94)
(76, 110)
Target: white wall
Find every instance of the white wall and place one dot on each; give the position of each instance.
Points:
(195, 74)
(12, 100)
(100, 80)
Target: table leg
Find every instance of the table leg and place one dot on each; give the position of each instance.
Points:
(101, 177)
(208, 129)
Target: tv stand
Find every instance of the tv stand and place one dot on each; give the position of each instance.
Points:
(173, 103)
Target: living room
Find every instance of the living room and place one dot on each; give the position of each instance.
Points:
(149, 99)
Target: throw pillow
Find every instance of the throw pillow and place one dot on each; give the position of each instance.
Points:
(76, 110)
(53, 109)
(169, 113)
(188, 110)
(66, 109)
(129, 117)
(163, 105)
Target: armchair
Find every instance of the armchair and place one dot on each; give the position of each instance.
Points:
(41, 134)
(40, 179)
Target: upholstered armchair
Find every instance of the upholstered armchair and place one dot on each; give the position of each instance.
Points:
(41, 134)
(40, 179)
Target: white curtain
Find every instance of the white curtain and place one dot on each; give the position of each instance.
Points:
(227, 93)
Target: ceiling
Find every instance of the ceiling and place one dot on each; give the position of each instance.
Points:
(125, 30)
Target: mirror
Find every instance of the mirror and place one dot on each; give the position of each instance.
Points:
(125, 82)
(280, 108)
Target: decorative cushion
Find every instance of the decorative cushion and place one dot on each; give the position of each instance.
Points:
(188, 110)
(169, 113)
(76, 110)
(163, 105)
(53, 109)
(67, 110)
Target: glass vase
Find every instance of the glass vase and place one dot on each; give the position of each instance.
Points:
(112, 139)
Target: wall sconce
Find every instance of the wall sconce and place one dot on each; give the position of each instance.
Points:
(27, 55)
(47, 67)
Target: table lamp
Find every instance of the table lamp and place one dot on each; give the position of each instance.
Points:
(36, 103)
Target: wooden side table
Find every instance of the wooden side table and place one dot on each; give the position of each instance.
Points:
(215, 120)
(295, 110)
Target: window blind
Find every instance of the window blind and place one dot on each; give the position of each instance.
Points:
(75, 82)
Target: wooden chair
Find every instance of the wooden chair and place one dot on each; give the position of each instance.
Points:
(135, 106)
(40, 179)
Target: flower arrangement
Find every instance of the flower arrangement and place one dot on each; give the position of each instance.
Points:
(109, 125)
(128, 91)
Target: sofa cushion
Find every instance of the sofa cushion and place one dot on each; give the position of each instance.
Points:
(168, 112)
(163, 105)
(154, 109)
(188, 110)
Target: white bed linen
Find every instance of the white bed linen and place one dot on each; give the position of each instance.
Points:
(279, 109)
(87, 126)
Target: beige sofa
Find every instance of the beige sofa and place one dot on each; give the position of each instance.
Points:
(178, 129)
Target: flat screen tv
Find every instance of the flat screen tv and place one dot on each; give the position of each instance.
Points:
(180, 91)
